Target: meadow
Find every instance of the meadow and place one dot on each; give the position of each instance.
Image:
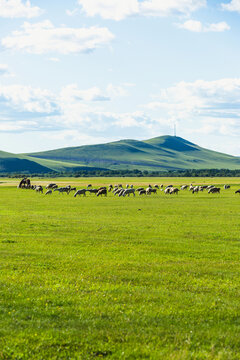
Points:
(152, 277)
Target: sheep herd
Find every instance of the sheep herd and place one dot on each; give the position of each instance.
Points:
(119, 190)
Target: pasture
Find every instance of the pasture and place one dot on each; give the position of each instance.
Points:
(151, 277)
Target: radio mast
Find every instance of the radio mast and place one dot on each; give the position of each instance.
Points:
(175, 129)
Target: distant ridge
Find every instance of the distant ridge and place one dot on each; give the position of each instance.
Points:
(157, 154)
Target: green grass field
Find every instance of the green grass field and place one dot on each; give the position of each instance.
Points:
(153, 277)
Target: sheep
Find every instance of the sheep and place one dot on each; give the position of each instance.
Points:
(167, 190)
(39, 189)
(89, 186)
(128, 192)
(156, 186)
(61, 190)
(139, 189)
(184, 187)
(93, 191)
(237, 192)
(195, 189)
(51, 186)
(214, 190)
(141, 192)
(226, 187)
(150, 190)
(80, 192)
(174, 191)
(102, 191)
(121, 192)
(49, 192)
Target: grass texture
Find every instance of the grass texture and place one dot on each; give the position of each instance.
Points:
(120, 278)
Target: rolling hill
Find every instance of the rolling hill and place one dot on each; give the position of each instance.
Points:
(160, 153)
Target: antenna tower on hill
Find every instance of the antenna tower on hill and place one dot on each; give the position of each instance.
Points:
(175, 130)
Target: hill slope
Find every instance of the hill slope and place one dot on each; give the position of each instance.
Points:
(164, 152)
(11, 163)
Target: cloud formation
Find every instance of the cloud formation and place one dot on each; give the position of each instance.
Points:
(4, 71)
(119, 10)
(43, 38)
(204, 106)
(234, 5)
(197, 26)
(18, 9)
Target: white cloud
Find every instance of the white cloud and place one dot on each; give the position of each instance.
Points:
(120, 9)
(110, 9)
(25, 98)
(192, 25)
(170, 7)
(197, 26)
(234, 5)
(203, 105)
(4, 70)
(17, 9)
(43, 37)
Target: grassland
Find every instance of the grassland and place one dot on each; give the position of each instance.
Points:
(120, 278)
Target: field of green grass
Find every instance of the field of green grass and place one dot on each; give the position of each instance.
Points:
(120, 278)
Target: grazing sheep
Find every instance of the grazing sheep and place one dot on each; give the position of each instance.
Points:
(226, 187)
(128, 192)
(52, 186)
(49, 192)
(102, 191)
(195, 189)
(73, 189)
(141, 192)
(93, 191)
(167, 190)
(121, 192)
(174, 191)
(139, 189)
(214, 190)
(39, 189)
(184, 187)
(237, 192)
(150, 190)
(62, 190)
(156, 186)
(80, 192)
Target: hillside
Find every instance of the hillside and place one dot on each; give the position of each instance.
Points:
(160, 153)
(10, 163)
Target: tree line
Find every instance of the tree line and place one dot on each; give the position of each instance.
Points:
(131, 173)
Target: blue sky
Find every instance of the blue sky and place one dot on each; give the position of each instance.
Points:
(90, 71)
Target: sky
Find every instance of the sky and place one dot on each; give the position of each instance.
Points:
(81, 72)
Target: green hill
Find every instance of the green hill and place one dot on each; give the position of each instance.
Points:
(11, 163)
(160, 153)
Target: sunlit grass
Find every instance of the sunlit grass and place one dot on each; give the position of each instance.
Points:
(154, 277)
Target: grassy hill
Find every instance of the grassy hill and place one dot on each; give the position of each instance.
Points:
(10, 163)
(160, 153)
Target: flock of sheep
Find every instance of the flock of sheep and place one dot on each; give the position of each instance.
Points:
(119, 190)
